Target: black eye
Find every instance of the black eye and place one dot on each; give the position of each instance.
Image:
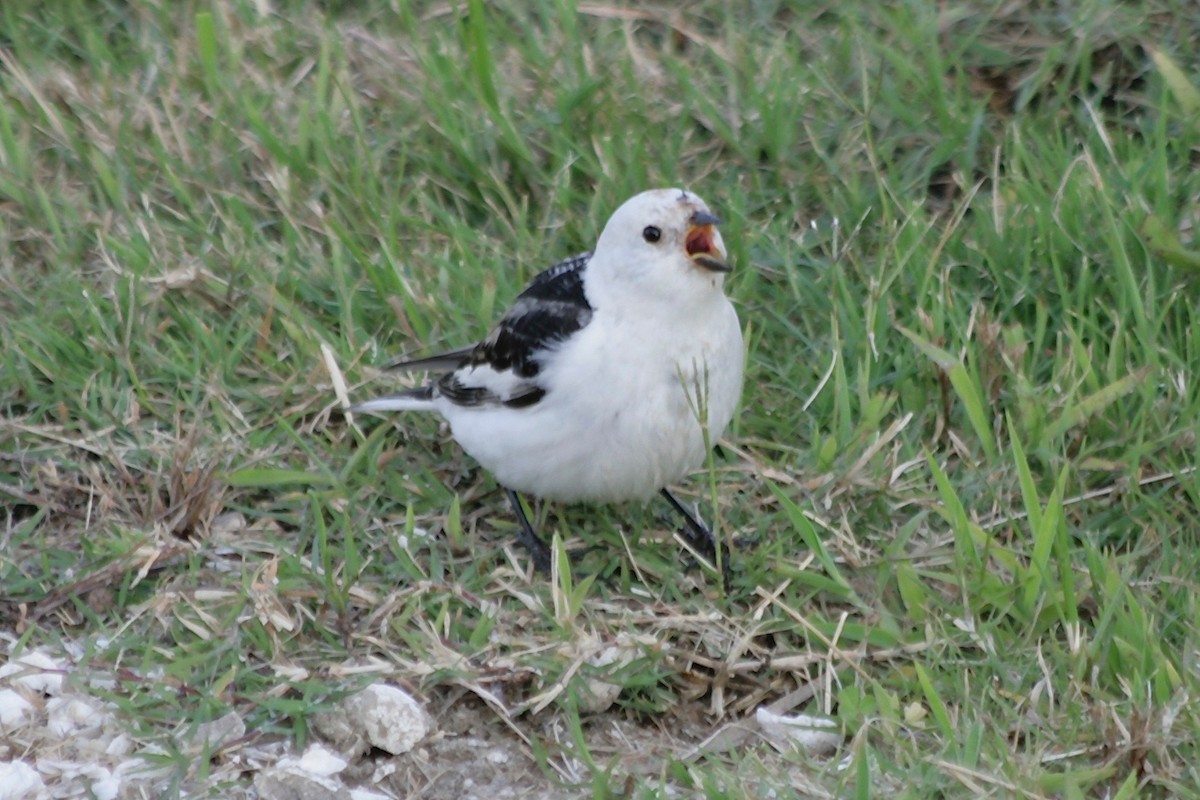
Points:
(651, 234)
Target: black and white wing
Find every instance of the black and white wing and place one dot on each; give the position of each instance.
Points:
(442, 362)
(503, 368)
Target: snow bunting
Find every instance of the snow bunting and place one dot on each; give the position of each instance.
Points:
(599, 381)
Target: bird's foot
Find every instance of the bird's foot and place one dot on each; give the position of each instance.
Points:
(700, 539)
(539, 551)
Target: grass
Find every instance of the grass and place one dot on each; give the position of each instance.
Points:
(964, 474)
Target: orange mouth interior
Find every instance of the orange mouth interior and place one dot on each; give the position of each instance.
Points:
(700, 240)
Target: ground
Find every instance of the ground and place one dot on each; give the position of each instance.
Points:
(961, 490)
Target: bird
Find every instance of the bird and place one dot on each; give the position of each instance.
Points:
(609, 375)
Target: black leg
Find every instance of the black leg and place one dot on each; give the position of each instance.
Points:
(538, 551)
(697, 534)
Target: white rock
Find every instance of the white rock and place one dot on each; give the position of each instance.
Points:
(36, 671)
(296, 784)
(74, 714)
(384, 769)
(79, 779)
(119, 745)
(320, 760)
(217, 732)
(366, 794)
(14, 709)
(381, 715)
(815, 735)
(19, 781)
(104, 785)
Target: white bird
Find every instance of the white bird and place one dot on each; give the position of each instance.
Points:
(599, 381)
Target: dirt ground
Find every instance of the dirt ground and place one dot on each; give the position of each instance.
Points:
(57, 740)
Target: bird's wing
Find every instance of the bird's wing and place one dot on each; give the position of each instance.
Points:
(419, 398)
(503, 368)
(442, 362)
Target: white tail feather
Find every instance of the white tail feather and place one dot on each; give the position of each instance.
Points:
(395, 402)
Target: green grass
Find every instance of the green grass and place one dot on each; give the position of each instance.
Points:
(964, 473)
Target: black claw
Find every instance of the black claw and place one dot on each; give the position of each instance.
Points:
(539, 552)
(697, 534)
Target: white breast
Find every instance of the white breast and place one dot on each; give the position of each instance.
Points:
(616, 422)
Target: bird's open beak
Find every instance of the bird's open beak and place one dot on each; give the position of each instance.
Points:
(701, 246)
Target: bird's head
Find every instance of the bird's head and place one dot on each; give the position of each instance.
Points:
(663, 241)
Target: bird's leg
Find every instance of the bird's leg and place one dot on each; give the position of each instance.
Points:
(528, 538)
(697, 534)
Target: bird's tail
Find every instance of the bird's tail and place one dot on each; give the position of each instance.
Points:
(419, 399)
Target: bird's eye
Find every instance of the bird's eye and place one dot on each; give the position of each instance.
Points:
(651, 234)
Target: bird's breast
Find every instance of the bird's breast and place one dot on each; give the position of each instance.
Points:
(621, 416)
